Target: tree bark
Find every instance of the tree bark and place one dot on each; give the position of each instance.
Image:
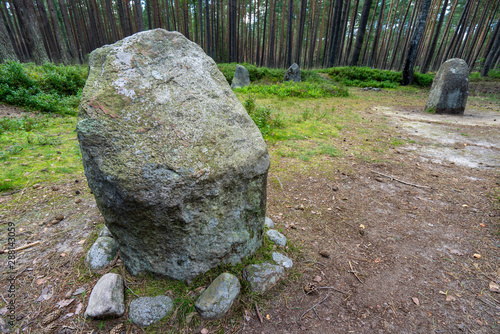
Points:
(361, 32)
(415, 41)
(31, 31)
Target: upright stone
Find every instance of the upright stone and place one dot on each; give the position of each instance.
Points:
(107, 298)
(241, 77)
(293, 73)
(450, 88)
(177, 167)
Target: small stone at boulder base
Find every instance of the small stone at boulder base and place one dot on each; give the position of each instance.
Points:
(241, 77)
(217, 299)
(282, 260)
(105, 232)
(147, 310)
(269, 223)
(176, 165)
(450, 88)
(102, 252)
(276, 237)
(293, 73)
(107, 298)
(262, 277)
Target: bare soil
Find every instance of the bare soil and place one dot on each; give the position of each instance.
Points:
(407, 244)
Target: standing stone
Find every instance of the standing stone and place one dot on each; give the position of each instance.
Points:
(293, 73)
(177, 167)
(241, 77)
(147, 310)
(218, 298)
(107, 299)
(450, 88)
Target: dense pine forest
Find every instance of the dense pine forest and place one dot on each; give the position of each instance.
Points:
(383, 34)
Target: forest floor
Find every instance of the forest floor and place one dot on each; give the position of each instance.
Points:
(394, 223)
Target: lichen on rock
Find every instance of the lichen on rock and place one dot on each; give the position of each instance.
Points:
(176, 165)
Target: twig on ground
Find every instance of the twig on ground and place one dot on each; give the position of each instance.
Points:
(281, 184)
(352, 271)
(258, 313)
(125, 283)
(321, 301)
(21, 248)
(403, 182)
(331, 288)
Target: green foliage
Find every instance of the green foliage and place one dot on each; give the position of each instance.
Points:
(255, 73)
(422, 80)
(295, 89)
(263, 116)
(369, 77)
(475, 76)
(47, 88)
(494, 73)
(25, 124)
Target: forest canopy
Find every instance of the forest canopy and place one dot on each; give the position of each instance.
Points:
(382, 34)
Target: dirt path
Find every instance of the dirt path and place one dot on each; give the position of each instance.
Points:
(408, 244)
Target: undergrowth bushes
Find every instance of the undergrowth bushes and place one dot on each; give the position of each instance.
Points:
(47, 88)
(263, 116)
(296, 89)
(369, 77)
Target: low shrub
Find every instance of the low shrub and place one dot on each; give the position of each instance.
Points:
(295, 89)
(47, 88)
(263, 116)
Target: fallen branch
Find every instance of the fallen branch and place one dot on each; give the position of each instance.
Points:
(403, 182)
(331, 288)
(281, 184)
(258, 313)
(321, 301)
(21, 248)
(352, 271)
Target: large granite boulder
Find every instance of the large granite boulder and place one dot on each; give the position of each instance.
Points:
(177, 167)
(241, 77)
(293, 73)
(450, 88)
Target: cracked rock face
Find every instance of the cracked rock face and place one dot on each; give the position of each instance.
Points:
(176, 165)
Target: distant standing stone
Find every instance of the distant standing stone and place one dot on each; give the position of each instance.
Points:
(102, 252)
(282, 260)
(147, 310)
(450, 88)
(241, 77)
(276, 237)
(262, 277)
(107, 299)
(176, 165)
(218, 298)
(269, 223)
(293, 73)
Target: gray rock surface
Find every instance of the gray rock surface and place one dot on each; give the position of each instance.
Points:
(105, 232)
(217, 299)
(293, 73)
(147, 310)
(107, 299)
(262, 277)
(269, 223)
(102, 252)
(282, 260)
(177, 167)
(276, 237)
(241, 77)
(450, 88)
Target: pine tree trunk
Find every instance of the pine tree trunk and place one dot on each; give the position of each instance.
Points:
(415, 41)
(430, 53)
(361, 32)
(6, 48)
(138, 15)
(31, 32)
